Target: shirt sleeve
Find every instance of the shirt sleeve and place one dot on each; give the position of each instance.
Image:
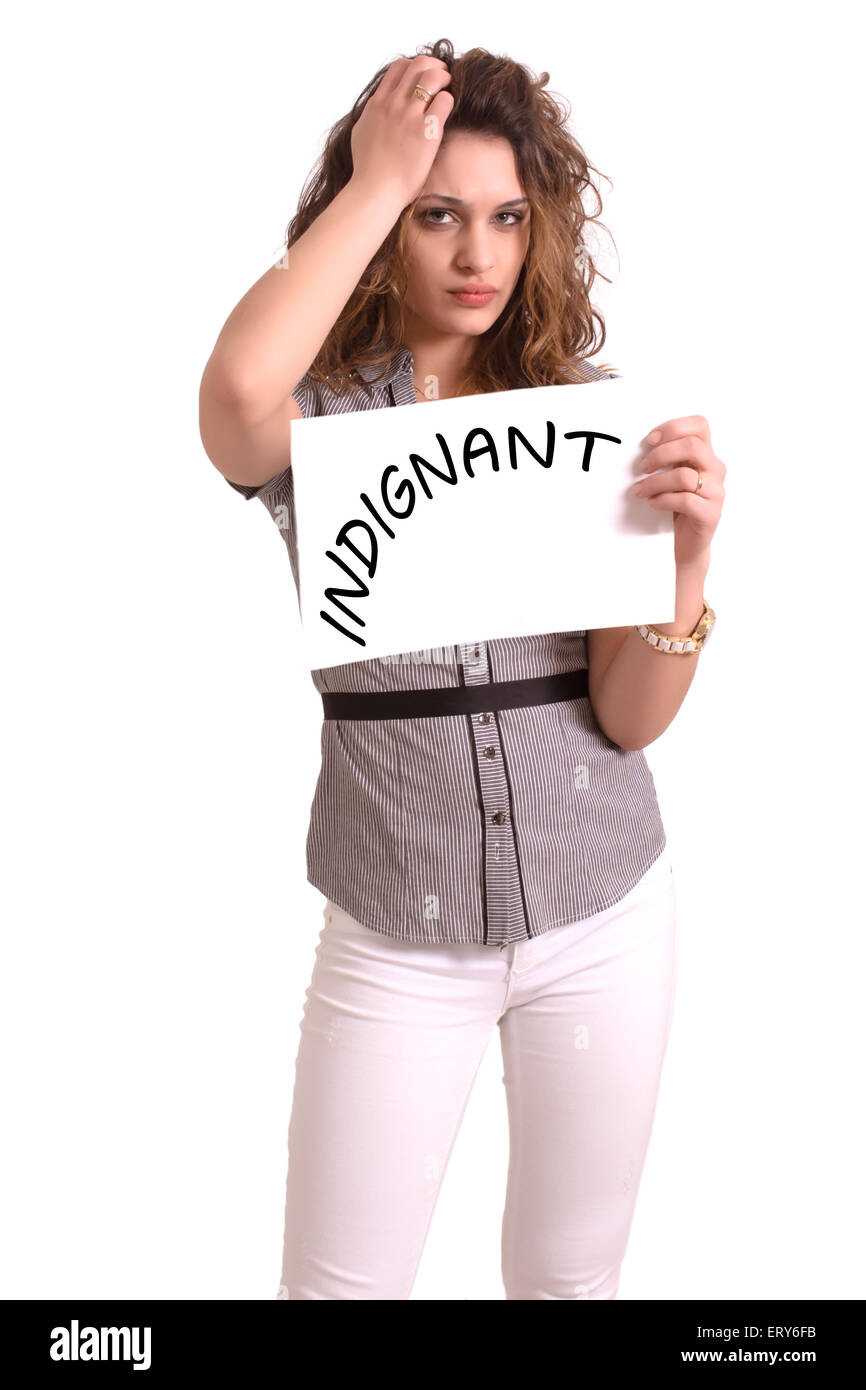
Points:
(596, 371)
(304, 397)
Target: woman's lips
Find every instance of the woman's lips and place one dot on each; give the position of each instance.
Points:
(468, 297)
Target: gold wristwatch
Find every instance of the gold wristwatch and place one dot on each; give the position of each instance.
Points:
(695, 642)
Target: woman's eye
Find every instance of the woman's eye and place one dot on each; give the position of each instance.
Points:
(437, 222)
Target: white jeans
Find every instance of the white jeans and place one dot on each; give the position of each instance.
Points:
(392, 1037)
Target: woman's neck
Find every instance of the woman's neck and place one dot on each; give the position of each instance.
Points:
(441, 365)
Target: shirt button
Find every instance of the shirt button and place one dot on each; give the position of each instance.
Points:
(484, 719)
(490, 751)
(476, 652)
(498, 817)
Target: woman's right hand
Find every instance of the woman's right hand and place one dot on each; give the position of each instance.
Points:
(396, 137)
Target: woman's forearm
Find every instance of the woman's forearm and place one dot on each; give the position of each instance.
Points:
(642, 689)
(275, 332)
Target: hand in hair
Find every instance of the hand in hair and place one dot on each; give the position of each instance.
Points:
(396, 137)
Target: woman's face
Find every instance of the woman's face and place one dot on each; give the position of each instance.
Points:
(470, 227)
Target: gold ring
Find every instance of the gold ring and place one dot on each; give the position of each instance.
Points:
(700, 483)
(422, 94)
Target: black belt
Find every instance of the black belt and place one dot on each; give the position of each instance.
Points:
(455, 699)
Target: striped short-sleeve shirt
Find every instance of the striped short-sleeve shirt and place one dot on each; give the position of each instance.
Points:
(485, 827)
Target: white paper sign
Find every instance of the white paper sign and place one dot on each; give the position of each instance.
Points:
(498, 515)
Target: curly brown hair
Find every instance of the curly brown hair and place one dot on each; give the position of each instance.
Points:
(549, 324)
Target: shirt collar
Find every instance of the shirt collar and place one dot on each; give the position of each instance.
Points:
(401, 361)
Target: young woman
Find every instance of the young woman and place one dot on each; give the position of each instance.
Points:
(484, 827)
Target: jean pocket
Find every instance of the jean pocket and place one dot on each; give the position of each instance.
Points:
(660, 869)
(338, 919)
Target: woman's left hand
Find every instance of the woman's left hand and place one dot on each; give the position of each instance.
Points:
(682, 450)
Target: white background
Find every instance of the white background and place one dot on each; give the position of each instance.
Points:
(161, 736)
